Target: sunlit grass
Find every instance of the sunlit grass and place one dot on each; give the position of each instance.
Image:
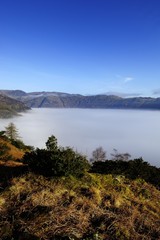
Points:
(13, 155)
(112, 207)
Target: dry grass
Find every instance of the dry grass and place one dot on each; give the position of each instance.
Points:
(14, 152)
(94, 207)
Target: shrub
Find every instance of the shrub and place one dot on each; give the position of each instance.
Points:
(55, 161)
(132, 169)
(72, 162)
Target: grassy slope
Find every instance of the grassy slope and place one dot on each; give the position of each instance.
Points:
(93, 207)
(14, 152)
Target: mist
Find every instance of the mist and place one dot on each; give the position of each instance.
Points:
(134, 131)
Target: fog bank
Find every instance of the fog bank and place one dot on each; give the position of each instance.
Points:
(133, 131)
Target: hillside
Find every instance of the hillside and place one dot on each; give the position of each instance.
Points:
(39, 202)
(9, 153)
(65, 100)
(94, 207)
(10, 107)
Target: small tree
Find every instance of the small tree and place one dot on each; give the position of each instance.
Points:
(98, 155)
(51, 143)
(11, 132)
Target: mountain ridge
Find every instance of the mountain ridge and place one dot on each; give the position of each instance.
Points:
(66, 100)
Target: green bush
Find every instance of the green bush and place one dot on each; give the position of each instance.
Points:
(55, 161)
(132, 169)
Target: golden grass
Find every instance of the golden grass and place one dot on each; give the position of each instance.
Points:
(94, 205)
(14, 152)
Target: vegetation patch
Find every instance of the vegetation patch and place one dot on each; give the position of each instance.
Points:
(63, 207)
(55, 193)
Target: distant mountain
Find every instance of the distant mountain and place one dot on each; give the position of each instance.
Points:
(13, 93)
(10, 107)
(65, 100)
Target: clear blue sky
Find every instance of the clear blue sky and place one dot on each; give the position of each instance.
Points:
(81, 46)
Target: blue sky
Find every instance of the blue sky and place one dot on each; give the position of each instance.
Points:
(81, 46)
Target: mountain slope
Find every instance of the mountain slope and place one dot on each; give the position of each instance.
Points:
(10, 107)
(65, 100)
